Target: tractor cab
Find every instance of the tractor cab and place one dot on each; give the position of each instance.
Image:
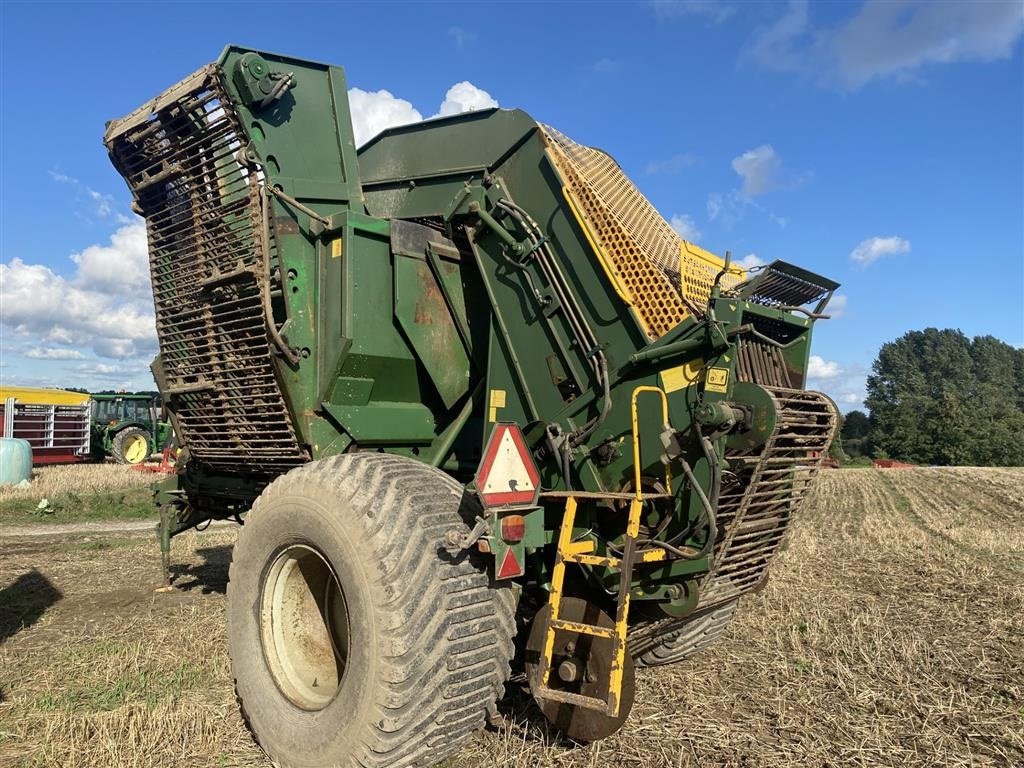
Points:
(129, 427)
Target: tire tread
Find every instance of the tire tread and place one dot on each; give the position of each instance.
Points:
(446, 650)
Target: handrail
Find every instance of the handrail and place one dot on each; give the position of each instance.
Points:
(637, 486)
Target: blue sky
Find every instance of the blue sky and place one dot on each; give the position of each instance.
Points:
(880, 144)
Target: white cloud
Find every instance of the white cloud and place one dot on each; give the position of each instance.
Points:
(714, 11)
(899, 38)
(53, 353)
(122, 349)
(895, 39)
(761, 171)
(375, 111)
(674, 164)
(837, 306)
(846, 384)
(870, 250)
(101, 369)
(730, 208)
(461, 36)
(749, 261)
(121, 267)
(100, 205)
(685, 227)
(465, 97)
(715, 205)
(759, 168)
(92, 310)
(820, 368)
(781, 45)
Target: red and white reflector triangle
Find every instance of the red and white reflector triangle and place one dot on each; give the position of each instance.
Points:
(510, 566)
(507, 474)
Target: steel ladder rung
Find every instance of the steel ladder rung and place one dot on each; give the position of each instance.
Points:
(576, 699)
(581, 553)
(587, 559)
(582, 628)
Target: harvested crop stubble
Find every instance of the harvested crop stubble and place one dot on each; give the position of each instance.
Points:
(52, 481)
(882, 639)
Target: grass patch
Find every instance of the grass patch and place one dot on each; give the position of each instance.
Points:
(142, 686)
(72, 507)
(858, 462)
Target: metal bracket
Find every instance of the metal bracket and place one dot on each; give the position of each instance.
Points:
(456, 542)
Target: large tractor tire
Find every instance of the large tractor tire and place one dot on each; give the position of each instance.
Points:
(130, 446)
(671, 642)
(356, 639)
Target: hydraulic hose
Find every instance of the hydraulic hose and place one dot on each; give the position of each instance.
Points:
(709, 506)
(585, 337)
(268, 311)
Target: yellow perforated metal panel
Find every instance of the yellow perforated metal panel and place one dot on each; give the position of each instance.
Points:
(697, 270)
(663, 277)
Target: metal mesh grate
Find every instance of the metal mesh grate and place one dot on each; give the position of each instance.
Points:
(776, 285)
(202, 209)
(755, 511)
(656, 270)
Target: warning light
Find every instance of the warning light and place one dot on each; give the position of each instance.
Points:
(513, 528)
(510, 566)
(507, 475)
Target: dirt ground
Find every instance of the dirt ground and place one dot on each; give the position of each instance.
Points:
(891, 633)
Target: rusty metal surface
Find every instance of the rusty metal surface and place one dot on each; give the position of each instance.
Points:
(754, 513)
(202, 209)
(577, 707)
(762, 363)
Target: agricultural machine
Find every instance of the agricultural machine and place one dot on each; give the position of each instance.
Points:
(483, 411)
(128, 427)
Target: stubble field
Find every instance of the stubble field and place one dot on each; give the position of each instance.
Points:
(890, 633)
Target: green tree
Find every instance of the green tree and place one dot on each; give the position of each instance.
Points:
(937, 397)
(835, 449)
(856, 433)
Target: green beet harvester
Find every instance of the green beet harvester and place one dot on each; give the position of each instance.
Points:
(484, 412)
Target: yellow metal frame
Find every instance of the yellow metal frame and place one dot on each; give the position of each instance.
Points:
(690, 250)
(582, 553)
(637, 486)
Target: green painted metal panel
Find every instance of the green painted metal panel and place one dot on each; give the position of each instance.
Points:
(424, 316)
(381, 423)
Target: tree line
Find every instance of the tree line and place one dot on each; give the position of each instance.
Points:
(938, 397)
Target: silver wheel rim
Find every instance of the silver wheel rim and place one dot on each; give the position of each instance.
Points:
(304, 627)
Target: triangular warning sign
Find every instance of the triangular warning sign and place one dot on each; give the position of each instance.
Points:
(510, 566)
(507, 474)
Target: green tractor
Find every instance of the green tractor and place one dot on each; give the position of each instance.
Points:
(128, 427)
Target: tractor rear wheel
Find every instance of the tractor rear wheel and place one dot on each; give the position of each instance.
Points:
(356, 639)
(130, 446)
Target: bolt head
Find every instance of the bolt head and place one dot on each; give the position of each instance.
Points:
(568, 671)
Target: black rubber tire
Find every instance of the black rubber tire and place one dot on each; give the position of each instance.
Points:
(117, 445)
(430, 636)
(671, 642)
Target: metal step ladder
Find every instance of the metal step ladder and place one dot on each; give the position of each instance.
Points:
(582, 553)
